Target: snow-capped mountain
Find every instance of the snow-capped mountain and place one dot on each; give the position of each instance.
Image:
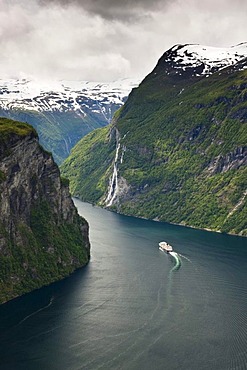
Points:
(201, 60)
(177, 150)
(63, 96)
(64, 111)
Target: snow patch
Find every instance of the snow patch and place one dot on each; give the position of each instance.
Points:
(62, 95)
(208, 57)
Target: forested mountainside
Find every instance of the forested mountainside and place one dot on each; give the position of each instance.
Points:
(176, 151)
(62, 112)
(42, 237)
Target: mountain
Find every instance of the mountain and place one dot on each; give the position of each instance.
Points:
(42, 237)
(176, 151)
(62, 112)
(198, 60)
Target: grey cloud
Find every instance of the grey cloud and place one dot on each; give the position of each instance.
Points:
(125, 10)
(108, 39)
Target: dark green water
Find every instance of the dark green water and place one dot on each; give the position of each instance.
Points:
(134, 306)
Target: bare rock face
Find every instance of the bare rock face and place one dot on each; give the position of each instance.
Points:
(42, 237)
(233, 160)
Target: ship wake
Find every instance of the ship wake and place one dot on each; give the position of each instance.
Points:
(177, 261)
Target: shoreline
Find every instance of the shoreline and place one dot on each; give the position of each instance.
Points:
(157, 220)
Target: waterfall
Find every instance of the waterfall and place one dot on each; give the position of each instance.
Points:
(113, 188)
(117, 185)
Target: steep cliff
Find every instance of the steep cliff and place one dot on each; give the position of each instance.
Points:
(42, 237)
(176, 151)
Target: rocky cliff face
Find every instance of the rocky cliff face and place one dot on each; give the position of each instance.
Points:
(42, 237)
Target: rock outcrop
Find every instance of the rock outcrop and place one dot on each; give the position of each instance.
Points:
(42, 237)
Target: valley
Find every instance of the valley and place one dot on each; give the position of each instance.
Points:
(62, 112)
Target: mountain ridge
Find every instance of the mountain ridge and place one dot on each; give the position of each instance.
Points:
(42, 96)
(175, 152)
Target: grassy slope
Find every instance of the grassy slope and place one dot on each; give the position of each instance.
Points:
(88, 180)
(174, 128)
(9, 127)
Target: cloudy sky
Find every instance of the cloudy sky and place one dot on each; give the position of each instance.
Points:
(103, 40)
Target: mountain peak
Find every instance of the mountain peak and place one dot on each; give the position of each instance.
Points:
(202, 60)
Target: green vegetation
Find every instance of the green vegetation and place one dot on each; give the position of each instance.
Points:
(46, 252)
(2, 176)
(11, 131)
(182, 136)
(97, 148)
(64, 181)
(42, 237)
(9, 127)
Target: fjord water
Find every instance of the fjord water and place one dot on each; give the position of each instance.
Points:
(134, 306)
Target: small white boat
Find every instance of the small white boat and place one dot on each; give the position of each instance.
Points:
(164, 246)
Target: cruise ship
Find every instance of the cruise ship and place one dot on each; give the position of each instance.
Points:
(164, 246)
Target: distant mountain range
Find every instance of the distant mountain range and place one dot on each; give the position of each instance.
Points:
(62, 112)
(177, 150)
